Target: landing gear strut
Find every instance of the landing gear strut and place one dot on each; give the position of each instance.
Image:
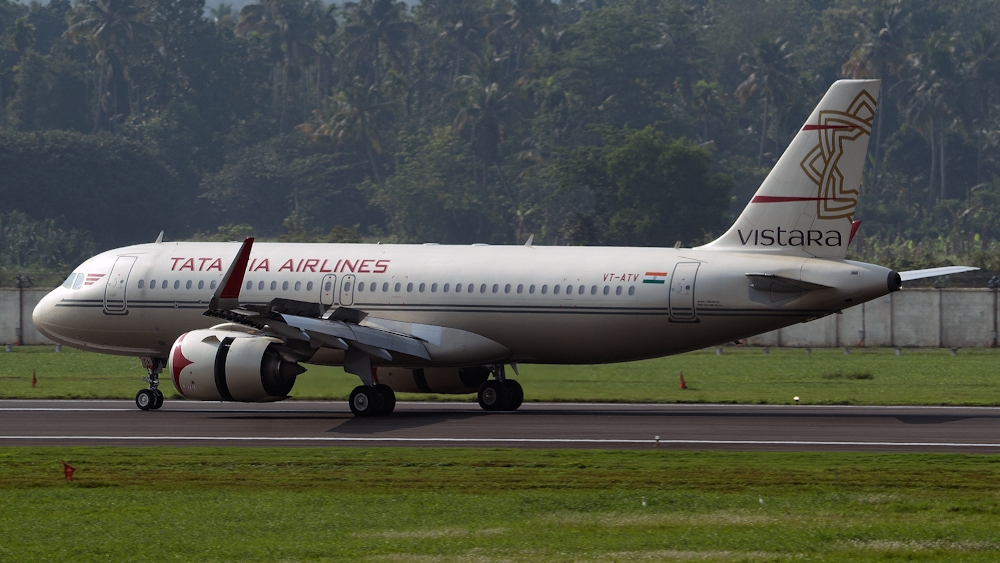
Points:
(151, 398)
(500, 394)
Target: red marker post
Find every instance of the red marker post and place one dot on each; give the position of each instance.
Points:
(68, 470)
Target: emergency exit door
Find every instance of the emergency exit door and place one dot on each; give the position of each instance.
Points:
(328, 290)
(114, 293)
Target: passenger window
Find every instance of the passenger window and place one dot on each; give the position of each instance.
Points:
(434, 288)
(187, 285)
(141, 282)
(201, 284)
(260, 286)
(371, 287)
(396, 288)
(520, 287)
(328, 286)
(458, 288)
(618, 290)
(531, 289)
(298, 285)
(361, 286)
(506, 288)
(445, 288)
(482, 288)
(164, 284)
(177, 284)
(212, 285)
(496, 288)
(284, 286)
(593, 289)
(152, 284)
(385, 287)
(409, 287)
(471, 287)
(309, 286)
(274, 285)
(545, 289)
(606, 290)
(555, 289)
(421, 288)
(631, 290)
(347, 286)
(582, 289)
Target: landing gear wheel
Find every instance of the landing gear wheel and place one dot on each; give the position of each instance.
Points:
(159, 399)
(388, 398)
(145, 399)
(493, 395)
(516, 394)
(365, 401)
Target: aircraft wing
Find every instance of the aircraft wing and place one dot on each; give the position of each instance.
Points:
(934, 272)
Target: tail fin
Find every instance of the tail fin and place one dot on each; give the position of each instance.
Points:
(806, 204)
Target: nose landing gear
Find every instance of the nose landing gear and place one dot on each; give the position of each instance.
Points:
(151, 398)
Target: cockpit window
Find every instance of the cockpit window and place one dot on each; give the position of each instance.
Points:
(79, 281)
(69, 281)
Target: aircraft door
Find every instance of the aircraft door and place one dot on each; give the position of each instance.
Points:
(328, 290)
(347, 290)
(114, 292)
(682, 306)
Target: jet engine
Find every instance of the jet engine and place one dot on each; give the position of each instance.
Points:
(221, 365)
(446, 381)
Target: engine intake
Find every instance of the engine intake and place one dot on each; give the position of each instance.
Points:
(220, 365)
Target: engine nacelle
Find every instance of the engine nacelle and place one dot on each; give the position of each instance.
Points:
(222, 365)
(446, 381)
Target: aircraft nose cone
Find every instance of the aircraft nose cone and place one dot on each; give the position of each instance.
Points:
(42, 313)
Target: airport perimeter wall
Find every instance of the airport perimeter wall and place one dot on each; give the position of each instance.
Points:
(945, 318)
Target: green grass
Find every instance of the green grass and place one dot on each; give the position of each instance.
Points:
(869, 376)
(389, 504)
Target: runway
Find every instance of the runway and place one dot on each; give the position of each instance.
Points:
(535, 425)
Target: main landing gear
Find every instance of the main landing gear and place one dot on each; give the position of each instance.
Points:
(500, 394)
(372, 400)
(151, 398)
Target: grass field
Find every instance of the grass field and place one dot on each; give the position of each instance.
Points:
(746, 375)
(391, 504)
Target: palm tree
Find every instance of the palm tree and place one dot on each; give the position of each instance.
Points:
(522, 20)
(983, 70)
(22, 34)
(879, 54)
(376, 23)
(465, 30)
(932, 101)
(115, 30)
(357, 115)
(684, 33)
(770, 73)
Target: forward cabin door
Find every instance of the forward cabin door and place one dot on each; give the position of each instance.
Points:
(682, 306)
(347, 290)
(328, 290)
(114, 293)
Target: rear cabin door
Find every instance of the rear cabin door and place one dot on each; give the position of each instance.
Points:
(114, 294)
(328, 290)
(682, 307)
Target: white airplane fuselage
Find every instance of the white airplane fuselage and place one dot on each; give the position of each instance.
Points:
(537, 304)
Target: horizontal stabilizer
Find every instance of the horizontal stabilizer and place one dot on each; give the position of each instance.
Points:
(934, 272)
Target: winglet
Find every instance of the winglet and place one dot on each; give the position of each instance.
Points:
(227, 296)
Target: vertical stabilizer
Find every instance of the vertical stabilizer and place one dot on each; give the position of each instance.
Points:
(806, 204)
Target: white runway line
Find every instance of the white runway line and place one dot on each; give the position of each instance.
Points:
(506, 441)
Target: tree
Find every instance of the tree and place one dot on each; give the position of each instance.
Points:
(879, 54)
(520, 21)
(685, 34)
(377, 23)
(769, 72)
(983, 69)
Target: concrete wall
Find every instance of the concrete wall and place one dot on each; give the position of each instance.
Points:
(949, 318)
(9, 316)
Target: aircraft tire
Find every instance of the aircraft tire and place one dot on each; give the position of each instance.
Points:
(365, 401)
(145, 399)
(493, 395)
(159, 399)
(516, 394)
(388, 398)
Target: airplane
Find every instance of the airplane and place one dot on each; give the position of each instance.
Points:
(236, 321)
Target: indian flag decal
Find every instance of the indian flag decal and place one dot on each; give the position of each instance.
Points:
(655, 277)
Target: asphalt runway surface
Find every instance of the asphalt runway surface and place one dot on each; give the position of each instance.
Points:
(534, 425)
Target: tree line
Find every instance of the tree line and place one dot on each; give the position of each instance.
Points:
(603, 122)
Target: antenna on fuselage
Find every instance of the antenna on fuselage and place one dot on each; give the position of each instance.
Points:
(531, 239)
(159, 239)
